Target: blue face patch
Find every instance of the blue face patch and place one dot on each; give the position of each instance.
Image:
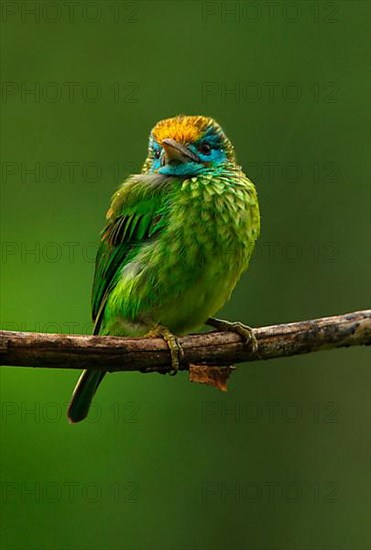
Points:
(209, 149)
(156, 152)
(182, 169)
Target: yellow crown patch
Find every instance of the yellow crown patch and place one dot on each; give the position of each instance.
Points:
(184, 129)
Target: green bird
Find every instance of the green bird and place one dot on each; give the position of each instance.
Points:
(177, 239)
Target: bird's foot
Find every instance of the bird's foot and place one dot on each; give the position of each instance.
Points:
(243, 330)
(176, 351)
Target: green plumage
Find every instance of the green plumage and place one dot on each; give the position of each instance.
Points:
(175, 243)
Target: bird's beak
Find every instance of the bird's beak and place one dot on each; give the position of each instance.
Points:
(176, 151)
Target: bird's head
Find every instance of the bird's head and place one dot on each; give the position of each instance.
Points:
(186, 146)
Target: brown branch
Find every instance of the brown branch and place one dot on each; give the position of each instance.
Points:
(213, 348)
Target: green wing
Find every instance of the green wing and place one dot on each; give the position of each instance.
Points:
(136, 215)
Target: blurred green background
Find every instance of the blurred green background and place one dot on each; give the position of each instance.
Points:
(282, 460)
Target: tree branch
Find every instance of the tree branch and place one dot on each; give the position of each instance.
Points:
(213, 348)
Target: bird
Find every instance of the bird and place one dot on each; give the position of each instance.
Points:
(177, 238)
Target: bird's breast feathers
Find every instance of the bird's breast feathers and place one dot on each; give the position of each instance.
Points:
(212, 227)
(187, 271)
(216, 216)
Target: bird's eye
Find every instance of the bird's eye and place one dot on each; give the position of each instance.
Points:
(157, 153)
(204, 148)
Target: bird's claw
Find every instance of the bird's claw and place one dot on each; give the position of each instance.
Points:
(239, 328)
(246, 332)
(176, 351)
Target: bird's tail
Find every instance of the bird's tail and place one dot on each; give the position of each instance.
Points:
(83, 394)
